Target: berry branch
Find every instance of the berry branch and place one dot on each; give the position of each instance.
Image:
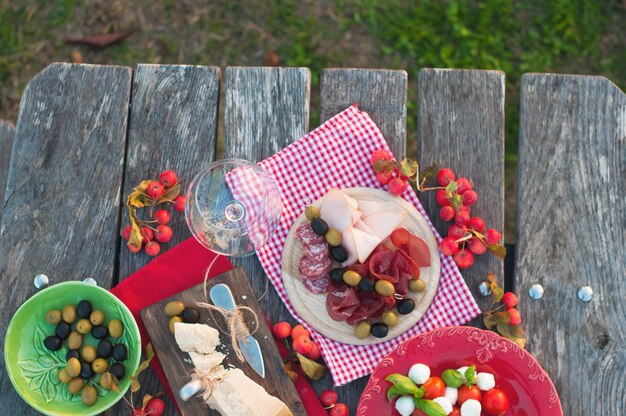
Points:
(506, 322)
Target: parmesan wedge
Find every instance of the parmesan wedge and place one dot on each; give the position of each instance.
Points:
(196, 337)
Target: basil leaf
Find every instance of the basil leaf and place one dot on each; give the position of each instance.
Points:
(403, 383)
(420, 393)
(430, 408)
(470, 375)
(452, 378)
(393, 392)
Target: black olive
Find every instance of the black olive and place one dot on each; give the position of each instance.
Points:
(319, 226)
(100, 331)
(406, 306)
(53, 343)
(104, 348)
(72, 354)
(85, 370)
(190, 315)
(83, 309)
(336, 274)
(63, 330)
(117, 370)
(379, 330)
(367, 285)
(339, 253)
(120, 352)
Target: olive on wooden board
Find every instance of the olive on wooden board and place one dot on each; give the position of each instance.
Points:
(190, 315)
(417, 285)
(333, 237)
(53, 343)
(53, 317)
(104, 349)
(74, 341)
(117, 370)
(84, 309)
(362, 330)
(72, 354)
(339, 254)
(385, 288)
(319, 226)
(100, 365)
(83, 326)
(90, 395)
(174, 308)
(96, 317)
(173, 321)
(63, 376)
(311, 212)
(85, 370)
(116, 329)
(351, 278)
(406, 306)
(75, 386)
(367, 285)
(389, 318)
(73, 367)
(379, 330)
(100, 332)
(88, 353)
(62, 330)
(69, 313)
(120, 352)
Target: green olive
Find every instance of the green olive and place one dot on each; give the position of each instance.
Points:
(89, 353)
(74, 341)
(69, 313)
(106, 380)
(417, 285)
(311, 212)
(173, 321)
(83, 326)
(100, 365)
(73, 367)
(116, 328)
(351, 278)
(174, 308)
(76, 385)
(64, 377)
(333, 237)
(362, 330)
(53, 317)
(389, 318)
(89, 395)
(96, 317)
(384, 288)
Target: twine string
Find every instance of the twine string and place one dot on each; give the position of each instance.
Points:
(209, 379)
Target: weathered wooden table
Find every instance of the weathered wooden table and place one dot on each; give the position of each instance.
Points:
(85, 134)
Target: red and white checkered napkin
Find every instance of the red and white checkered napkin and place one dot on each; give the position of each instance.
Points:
(337, 154)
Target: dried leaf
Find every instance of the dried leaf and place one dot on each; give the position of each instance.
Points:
(496, 291)
(146, 400)
(408, 167)
(429, 172)
(291, 372)
(135, 233)
(100, 40)
(312, 369)
(514, 333)
(382, 165)
(144, 364)
(169, 194)
(497, 250)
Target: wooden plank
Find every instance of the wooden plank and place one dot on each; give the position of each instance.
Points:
(382, 94)
(571, 222)
(379, 92)
(62, 197)
(461, 125)
(7, 130)
(276, 381)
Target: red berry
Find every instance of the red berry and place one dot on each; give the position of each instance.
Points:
(462, 218)
(449, 246)
(152, 248)
(476, 246)
(447, 213)
(514, 317)
(464, 259)
(441, 198)
(299, 331)
(168, 178)
(397, 186)
(465, 209)
(282, 330)
(315, 353)
(444, 176)
(462, 185)
(456, 232)
(163, 233)
(134, 248)
(146, 234)
(477, 224)
(328, 397)
(339, 409)
(155, 190)
(155, 407)
(470, 197)
(162, 216)
(380, 154)
(384, 177)
(126, 232)
(302, 345)
(492, 236)
(510, 299)
(179, 203)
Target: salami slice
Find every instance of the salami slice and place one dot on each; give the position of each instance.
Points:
(316, 252)
(306, 234)
(317, 285)
(313, 268)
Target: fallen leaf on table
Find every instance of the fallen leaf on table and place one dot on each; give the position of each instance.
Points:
(312, 369)
(271, 59)
(99, 41)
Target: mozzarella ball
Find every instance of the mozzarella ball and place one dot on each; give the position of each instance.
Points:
(419, 373)
(485, 381)
(444, 403)
(405, 405)
(452, 394)
(462, 370)
(471, 408)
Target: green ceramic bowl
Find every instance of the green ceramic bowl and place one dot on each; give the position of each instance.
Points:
(33, 369)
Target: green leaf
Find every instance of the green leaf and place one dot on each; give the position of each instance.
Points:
(46, 361)
(456, 201)
(451, 189)
(312, 369)
(514, 333)
(490, 320)
(470, 376)
(393, 392)
(408, 167)
(30, 368)
(430, 408)
(420, 393)
(403, 383)
(452, 378)
(48, 389)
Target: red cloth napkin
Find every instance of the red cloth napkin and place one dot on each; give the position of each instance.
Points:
(174, 271)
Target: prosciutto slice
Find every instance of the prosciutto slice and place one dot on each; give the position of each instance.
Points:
(371, 305)
(342, 301)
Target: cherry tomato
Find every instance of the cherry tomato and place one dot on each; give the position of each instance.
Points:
(495, 402)
(433, 388)
(467, 393)
(455, 411)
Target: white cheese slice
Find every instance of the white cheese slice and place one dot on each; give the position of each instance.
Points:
(364, 243)
(364, 227)
(384, 222)
(347, 242)
(336, 211)
(206, 362)
(371, 207)
(238, 395)
(196, 337)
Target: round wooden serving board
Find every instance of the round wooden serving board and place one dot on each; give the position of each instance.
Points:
(312, 307)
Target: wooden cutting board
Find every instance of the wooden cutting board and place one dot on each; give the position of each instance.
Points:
(177, 364)
(312, 307)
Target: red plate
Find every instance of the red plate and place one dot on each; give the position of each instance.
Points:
(518, 374)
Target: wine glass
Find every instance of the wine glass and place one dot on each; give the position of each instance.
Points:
(233, 207)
